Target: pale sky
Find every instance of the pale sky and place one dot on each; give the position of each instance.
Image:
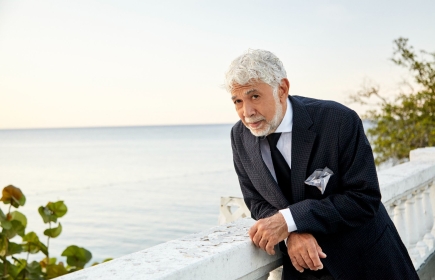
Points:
(118, 63)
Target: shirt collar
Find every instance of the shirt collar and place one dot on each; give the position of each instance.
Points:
(286, 124)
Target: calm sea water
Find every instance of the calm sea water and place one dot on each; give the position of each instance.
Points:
(126, 188)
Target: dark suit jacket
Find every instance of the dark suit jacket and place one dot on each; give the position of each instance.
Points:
(348, 221)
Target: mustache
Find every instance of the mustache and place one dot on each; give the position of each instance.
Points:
(255, 119)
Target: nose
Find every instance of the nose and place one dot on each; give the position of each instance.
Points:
(248, 110)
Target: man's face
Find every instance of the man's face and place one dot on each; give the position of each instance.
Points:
(257, 107)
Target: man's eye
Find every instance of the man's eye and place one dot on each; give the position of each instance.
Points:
(255, 96)
(237, 101)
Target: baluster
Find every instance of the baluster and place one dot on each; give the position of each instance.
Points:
(399, 220)
(421, 223)
(429, 238)
(390, 210)
(412, 233)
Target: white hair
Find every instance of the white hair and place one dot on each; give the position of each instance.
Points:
(255, 66)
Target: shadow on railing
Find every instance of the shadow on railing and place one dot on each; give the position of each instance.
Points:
(225, 251)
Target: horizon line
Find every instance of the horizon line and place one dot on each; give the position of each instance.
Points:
(116, 126)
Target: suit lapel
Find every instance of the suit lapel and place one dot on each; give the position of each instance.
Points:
(270, 190)
(302, 144)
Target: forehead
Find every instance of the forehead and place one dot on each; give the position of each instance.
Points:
(248, 88)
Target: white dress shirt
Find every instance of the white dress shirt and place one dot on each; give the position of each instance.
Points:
(284, 145)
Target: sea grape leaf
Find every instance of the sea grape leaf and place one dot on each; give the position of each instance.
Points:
(3, 245)
(77, 256)
(58, 208)
(18, 216)
(20, 264)
(12, 270)
(16, 228)
(47, 215)
(105, 260)
(53, 232)
(44, 263)
(4, 221)
(14, 248)
(34, 271)
(13, 195)
(32, 244)
(6, 224)
(55, 270)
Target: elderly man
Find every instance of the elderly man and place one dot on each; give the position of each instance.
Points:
(340, 232)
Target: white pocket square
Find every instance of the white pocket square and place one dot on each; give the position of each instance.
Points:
(320, 178)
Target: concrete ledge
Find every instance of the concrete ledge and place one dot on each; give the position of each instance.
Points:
(223, 252)
(427, 269)
(394, 182)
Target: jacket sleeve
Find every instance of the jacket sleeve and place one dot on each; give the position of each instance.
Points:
(358, 198)
(258, 206)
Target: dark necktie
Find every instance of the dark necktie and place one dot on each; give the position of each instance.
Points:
(282, 170)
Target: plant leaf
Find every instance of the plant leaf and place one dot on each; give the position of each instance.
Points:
(47, 215)
(13, 195)
(16, 228)
(53, 232)
(58, 208)
(18, 216)
(14, 248)
(3, 244)
(77, 256)
(55, 270)
(33, 245)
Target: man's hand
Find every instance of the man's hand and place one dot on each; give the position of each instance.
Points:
(304, 251)
(268, 232)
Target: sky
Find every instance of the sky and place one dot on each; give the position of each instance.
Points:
(131, 63)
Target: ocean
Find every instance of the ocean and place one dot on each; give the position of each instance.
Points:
(126, 188)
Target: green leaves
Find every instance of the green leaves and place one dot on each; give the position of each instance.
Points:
(14, 223)
(52, 211)
(4, 221)
(13, 195)
(17, 216)
(77, 256)
(33, 245)
(53, 232)
(55, 270)
(16, 228)
(14, 248)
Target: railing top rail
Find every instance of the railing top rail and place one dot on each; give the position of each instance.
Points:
(218, 253)
(397, 181)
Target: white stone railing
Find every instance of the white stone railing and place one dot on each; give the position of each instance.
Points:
(225, 251)
(408, 193)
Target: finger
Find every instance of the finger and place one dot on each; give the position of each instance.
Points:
(270, 248)
(252, 231)
(256, 239)
(320, 252)
(308, 261)
(314, 257)
(296, 265)
(263, 243)
(301, 261)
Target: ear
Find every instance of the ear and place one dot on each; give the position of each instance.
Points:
(283, 90)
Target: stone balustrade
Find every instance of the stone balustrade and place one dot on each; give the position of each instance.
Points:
(225, 251)
(408, 193)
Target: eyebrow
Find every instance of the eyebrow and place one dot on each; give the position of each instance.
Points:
(246, 93)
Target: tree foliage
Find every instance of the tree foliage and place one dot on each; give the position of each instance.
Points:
(407, 122)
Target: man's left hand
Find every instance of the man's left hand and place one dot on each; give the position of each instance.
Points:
(268, 232)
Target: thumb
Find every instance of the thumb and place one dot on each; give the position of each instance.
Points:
(321, 254)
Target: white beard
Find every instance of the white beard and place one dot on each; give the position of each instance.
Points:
(269, 126)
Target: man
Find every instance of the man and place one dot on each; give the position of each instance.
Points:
(280, 140)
